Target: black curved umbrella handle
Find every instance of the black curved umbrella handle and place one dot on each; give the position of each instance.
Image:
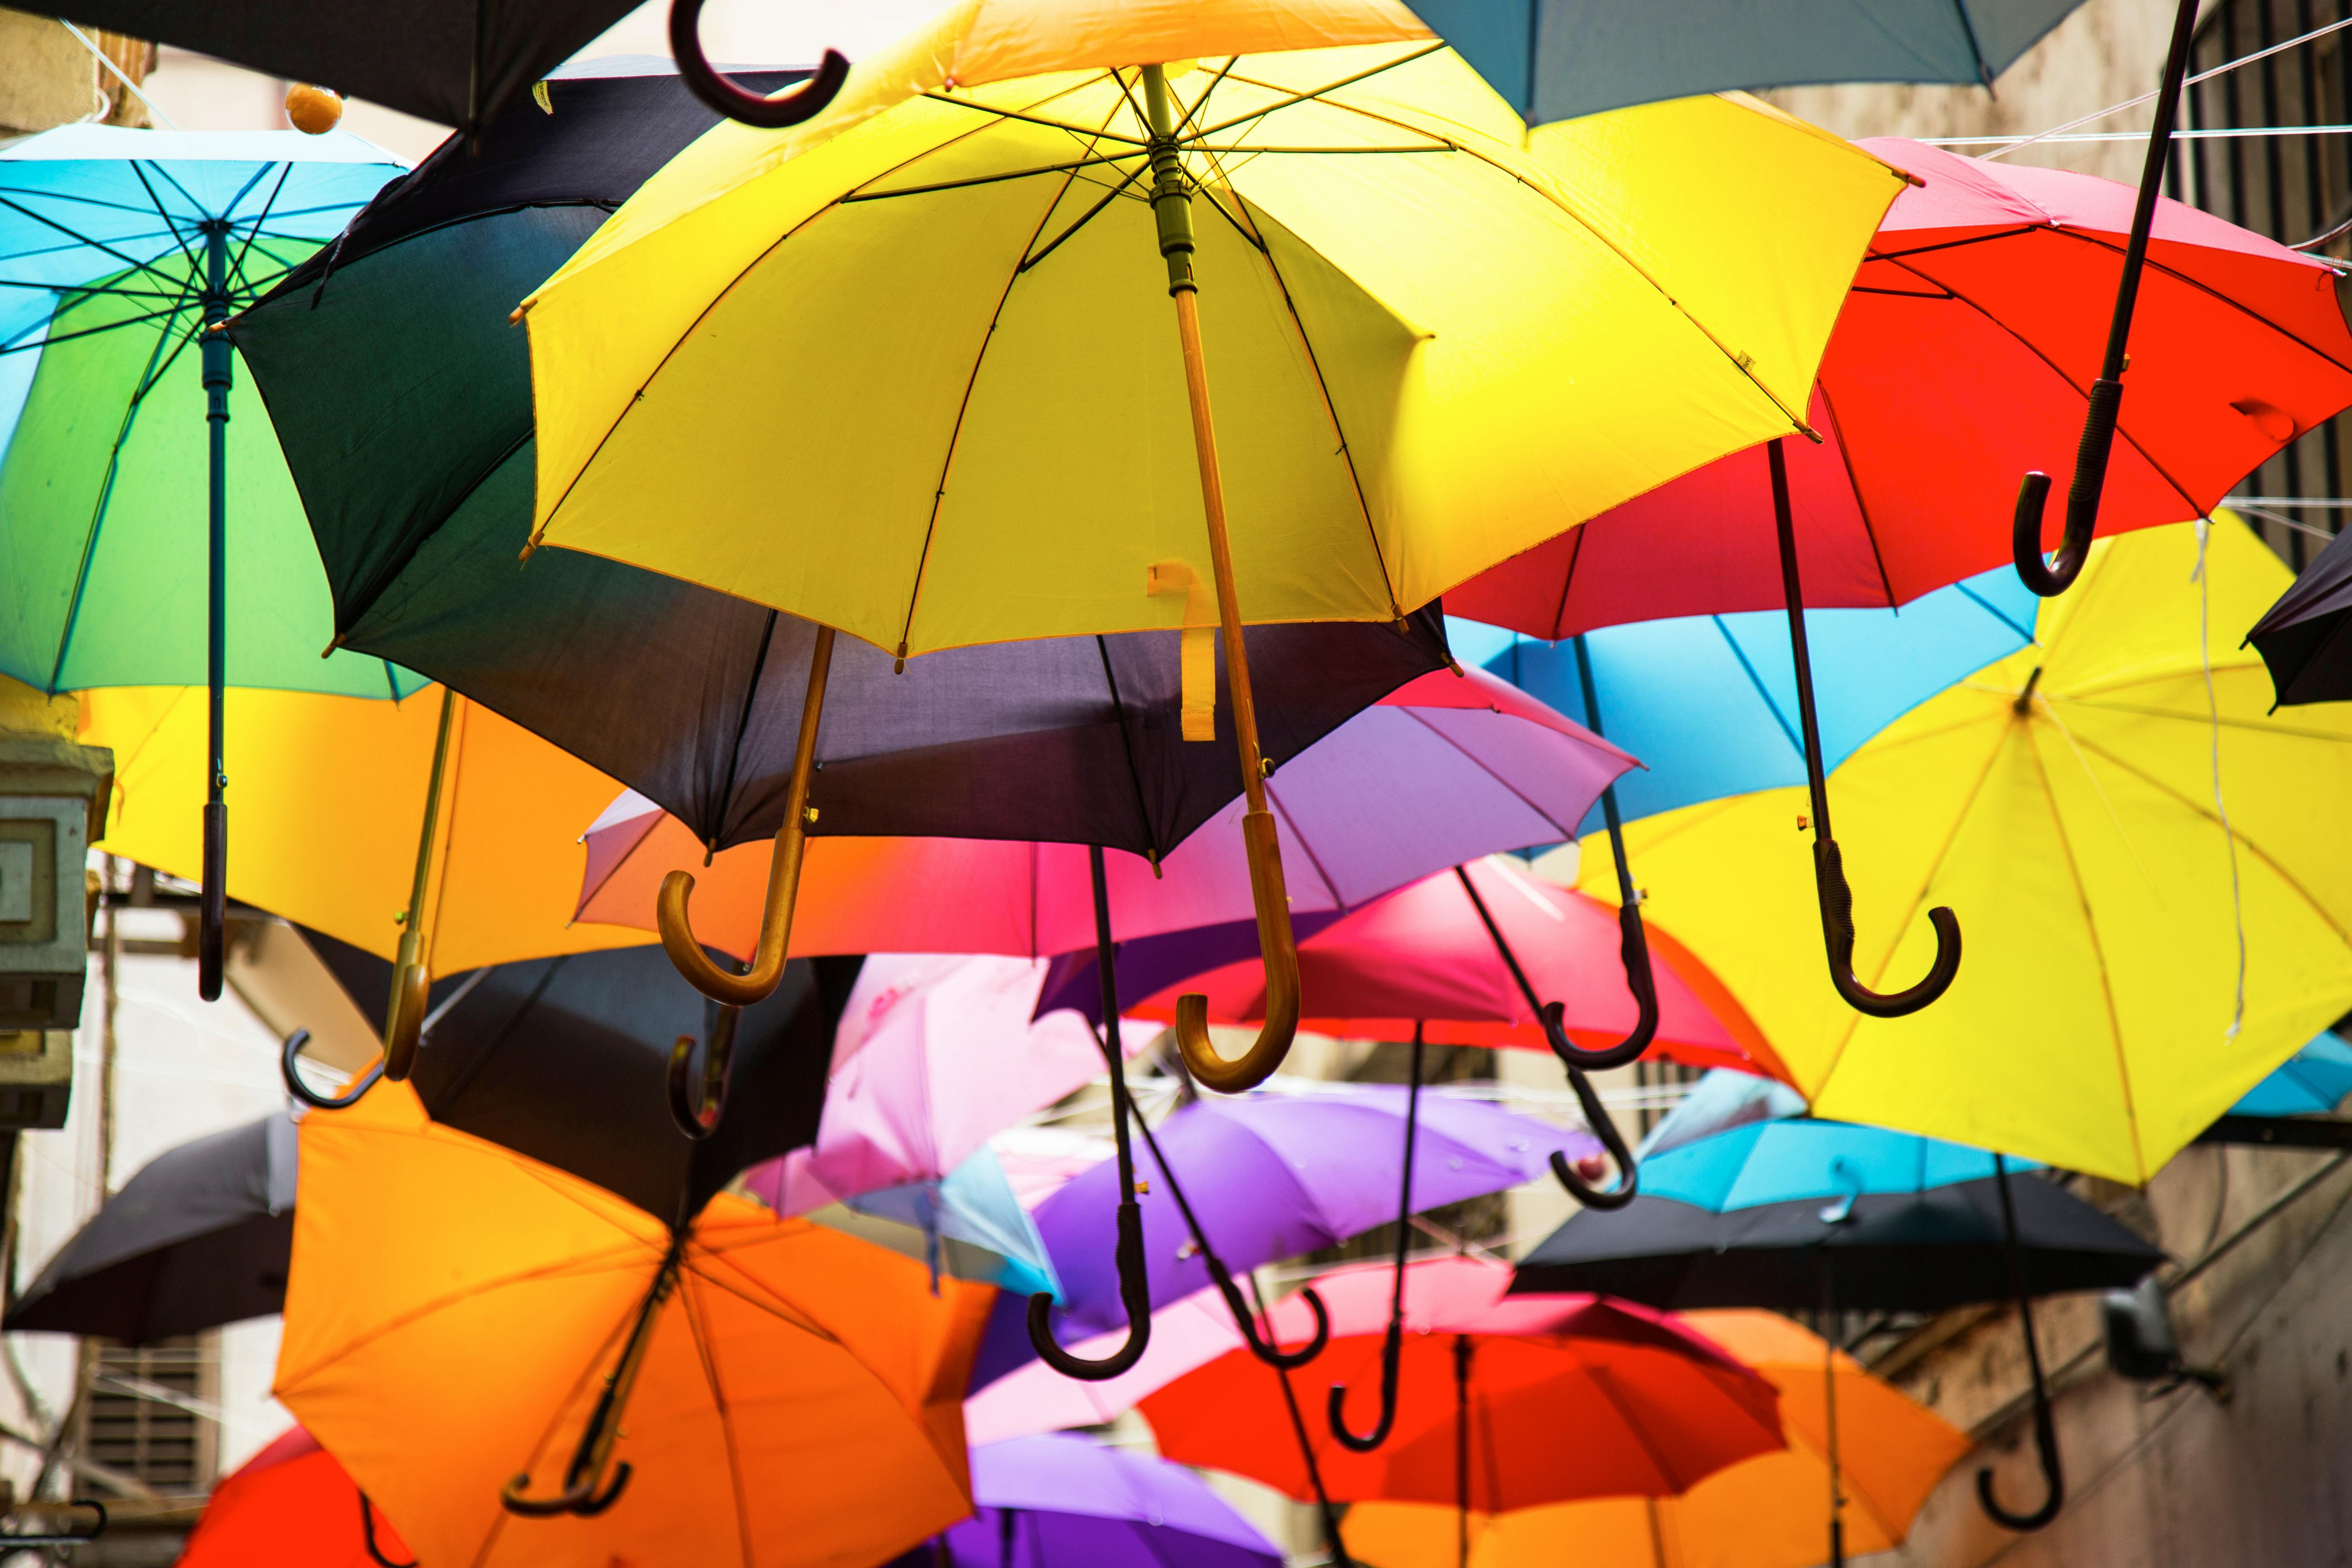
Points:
(1836, 899)
(1634, 949)
(1134, 1292)
(698, 1099)
(767, 113)
(310, 1097)
(212, 918)
(2053, 1478)
(1336, 1407)
(25, 1542)
(367, 1537)
(2055, 577)
(581, 1499)
(1605, 1127)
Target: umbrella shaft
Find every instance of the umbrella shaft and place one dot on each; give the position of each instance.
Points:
(1792, 590)
(214, 356)
(2151, 181)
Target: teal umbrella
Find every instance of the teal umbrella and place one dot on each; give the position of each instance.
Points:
(136, 533)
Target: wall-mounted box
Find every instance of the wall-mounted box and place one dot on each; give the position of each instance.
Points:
(53, 796)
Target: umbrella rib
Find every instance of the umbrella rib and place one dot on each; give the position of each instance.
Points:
(1854, 487)
(99, 511)
(1134, 777)
(139, 173)
(963, 407)
(1607, 1385)
(709, 1364)
(2211, 292)
(1293, 99)
(2205, 810)
(2099, 952)
(1298, 836)
(98, 245)
(775, 1307)
(1568, 583)
(1788, 731)
(1911, 910)
(2035, 350)
(718, 809)
(1414, 714)
(1330, 410)
(2202, 720)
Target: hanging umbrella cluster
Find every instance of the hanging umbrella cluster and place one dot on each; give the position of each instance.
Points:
(989, 508)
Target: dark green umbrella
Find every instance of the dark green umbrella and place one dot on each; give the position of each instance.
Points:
(133, 527)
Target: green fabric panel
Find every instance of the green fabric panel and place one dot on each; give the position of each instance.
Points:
(103, 519)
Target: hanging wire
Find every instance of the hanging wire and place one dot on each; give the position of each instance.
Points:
(128, 86)
(2221, 807)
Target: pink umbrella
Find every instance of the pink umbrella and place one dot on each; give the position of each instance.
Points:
(1034, 1398)
(933, 1057)
(1448, 768)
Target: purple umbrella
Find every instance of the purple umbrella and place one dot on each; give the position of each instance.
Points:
(1269, 1175)
(1064, 1502)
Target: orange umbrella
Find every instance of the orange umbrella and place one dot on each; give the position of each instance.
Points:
(1771, 1512)
(738, 1391)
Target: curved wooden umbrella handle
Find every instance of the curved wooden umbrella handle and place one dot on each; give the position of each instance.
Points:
(412, 988)
(758, 982)
(694, 67)
(1279, 950)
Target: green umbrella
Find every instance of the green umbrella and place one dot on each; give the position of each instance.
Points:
(144, 546)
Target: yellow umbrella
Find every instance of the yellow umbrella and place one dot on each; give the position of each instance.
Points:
(2076, 793)
(1772, 1512)
(336, 784)
(905, 370)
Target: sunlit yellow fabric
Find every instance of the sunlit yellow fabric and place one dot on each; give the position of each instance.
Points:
(2080, 845)
(328, 796)
(791, 370)
(453, 1308)
(1767, 1512)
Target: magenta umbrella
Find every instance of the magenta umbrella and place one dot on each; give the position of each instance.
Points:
(1446, 769)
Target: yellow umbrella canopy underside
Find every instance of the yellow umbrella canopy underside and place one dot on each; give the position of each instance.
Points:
(328, 797)
(2069, 803)
(911, 370)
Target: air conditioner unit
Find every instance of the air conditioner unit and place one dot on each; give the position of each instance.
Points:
(53, 797)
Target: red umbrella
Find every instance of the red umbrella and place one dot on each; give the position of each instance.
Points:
(292, 1504)
(1964, 356)
(1504, 1403)
(1423, 957)
(1967, 352)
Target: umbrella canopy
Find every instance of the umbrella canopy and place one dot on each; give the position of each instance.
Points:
(1444, 769)
(2312, 1082)
(1034, 1398)
(967, 1223)
(1555, 59)
(933, 1056)
(1420, 958)
(338, 788)
(456, 63)
(566, 1060)
(197, 1238)
(1999, 273)
(1566, 1397)
(1765, 1512)
(455, 1309)
(2302, 637)
(291, 1506)
(1420, 302)
(1065, 1503)
(1791, 1214)
(2068, 795)
(1709, 702)
(101, 480)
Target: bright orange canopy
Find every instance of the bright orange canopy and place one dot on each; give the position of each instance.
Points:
(454, 1309)
(1772, 1512)
(329, 795)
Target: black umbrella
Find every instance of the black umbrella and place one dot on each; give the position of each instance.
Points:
(402, 397)
(565, 1059)
(2303, 637)
(1801, 1213)
(199, 1237)
(456, 62)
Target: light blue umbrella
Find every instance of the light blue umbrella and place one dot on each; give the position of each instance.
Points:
(975, 1205)
(122, 255)
(2294, 1107)
(1709, 702)
(1554, 59)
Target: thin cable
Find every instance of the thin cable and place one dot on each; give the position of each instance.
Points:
(2009, 144)
(2192, 81)
(128, 86)
(2221, 807)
